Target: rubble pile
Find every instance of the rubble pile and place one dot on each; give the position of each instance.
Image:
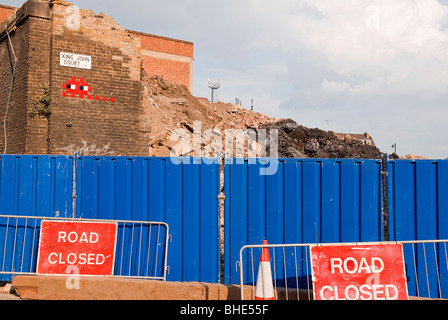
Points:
(168, 107)
(413, 157)
(296, 141)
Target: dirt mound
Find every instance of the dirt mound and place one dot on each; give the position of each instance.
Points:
(296, 141)
(168, 107)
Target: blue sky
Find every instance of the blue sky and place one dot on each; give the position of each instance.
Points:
(377, 66)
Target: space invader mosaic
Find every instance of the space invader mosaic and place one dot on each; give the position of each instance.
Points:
(81, 89)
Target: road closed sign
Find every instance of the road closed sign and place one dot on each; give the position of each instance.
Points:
(84, 248)
(361, 272)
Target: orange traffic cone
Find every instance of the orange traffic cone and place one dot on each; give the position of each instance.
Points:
(264, 289)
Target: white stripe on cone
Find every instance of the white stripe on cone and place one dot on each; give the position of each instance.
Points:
(264, 289)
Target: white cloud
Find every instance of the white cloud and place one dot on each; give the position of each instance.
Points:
(334, 87)
(408, 44)
(381, 64)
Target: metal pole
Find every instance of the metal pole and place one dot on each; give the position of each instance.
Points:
(385, 211)
(10, 90)
(74, 191)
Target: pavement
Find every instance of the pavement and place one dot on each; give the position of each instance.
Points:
(6, 293)
(9, 296)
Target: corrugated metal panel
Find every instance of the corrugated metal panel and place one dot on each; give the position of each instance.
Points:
(418, 210)
(31, 186)
(36, 186)
(306, 201)
(156, 189)
(417, 199)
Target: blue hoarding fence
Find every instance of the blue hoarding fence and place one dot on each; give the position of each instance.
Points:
(302, 201)
(182, 195)
(418, 210)
(418, 193)
(36, 186)
(329, 200)
(305, 201)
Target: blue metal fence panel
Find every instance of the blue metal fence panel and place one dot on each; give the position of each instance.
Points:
(30, 186)
(158, 189)
(305, 201)
(36, 185)
(418, 210)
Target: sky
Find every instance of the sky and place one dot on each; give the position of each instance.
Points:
(352, 66)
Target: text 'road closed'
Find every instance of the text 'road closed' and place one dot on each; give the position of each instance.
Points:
(362, 272)
(86, 245)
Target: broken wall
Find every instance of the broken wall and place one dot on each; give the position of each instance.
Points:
(95, 108)
(98, 107)
(5, 12)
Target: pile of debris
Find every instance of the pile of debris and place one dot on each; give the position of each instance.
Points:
(413, 157)
(296, 141)
(169, 107)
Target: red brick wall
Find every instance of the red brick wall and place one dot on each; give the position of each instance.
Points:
(171, 58)
(5, 12)
(176, 71)
(165, 45)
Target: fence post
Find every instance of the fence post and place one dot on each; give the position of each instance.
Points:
(385, 205)
(74, 191)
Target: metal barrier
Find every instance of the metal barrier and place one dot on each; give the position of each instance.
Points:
(307, 200)
(141, 246)
(426, 267)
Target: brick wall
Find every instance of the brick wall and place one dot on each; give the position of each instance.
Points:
(5, 12)
(111, 127)
(108, 118)
(38, 62)
(171, 58)
(166, 45)
(30, 43)
(16, 117)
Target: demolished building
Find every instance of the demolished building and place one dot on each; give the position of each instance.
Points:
(75, 81)
(71, 79)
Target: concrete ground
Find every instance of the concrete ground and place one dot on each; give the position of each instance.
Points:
(9, 296)
(7, 293)
(54, 288)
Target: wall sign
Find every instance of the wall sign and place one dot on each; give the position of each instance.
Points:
(361, 272)
(89, 247)
(75, 60)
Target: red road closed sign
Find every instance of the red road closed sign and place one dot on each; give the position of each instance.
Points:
(84, 248)
(361, 272)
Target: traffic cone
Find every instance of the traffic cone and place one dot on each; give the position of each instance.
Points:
(264, 289)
